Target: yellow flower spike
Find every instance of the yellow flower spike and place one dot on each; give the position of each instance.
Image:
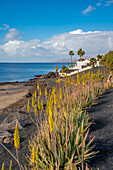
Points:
(78, 78)
(33, 101)
(36, 111)
(42, 106)
(35, 94)
(16, 137)
(58, 81)
(68, 80)
(51, 122)
(40, 92)
(56, 69)
(55, 99)
(39, 107)
(98, 72)
(61, 94)
(101, 72)
(28, 107)
(46, 92)
(34, 155)
(38, 87)
(2, 166)
(83, 81)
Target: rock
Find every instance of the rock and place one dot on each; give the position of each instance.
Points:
(7, 140)
(12, 125)
(28, 95)
(49, 75)
(12, 117)
(4, 134)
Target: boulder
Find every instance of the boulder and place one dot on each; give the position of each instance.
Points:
(28, 95)
(12, 125)
(4, 134)
(9, 122)
(7, 140)
(12, 117)
(49, 75)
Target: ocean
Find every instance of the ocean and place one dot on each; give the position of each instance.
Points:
(11, 72)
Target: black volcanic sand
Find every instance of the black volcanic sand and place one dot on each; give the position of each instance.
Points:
(101, 114)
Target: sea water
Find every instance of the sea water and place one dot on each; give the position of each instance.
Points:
(11, 72)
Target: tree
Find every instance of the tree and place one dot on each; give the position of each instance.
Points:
(107, 61)
(93, 61)
(99, 57)
(71, 53)
(80, 52)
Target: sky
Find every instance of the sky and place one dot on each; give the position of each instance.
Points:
(43, 31)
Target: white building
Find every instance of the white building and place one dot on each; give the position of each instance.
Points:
(78, 66)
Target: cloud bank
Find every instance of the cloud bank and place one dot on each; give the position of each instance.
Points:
(56, 47)
(13, 34)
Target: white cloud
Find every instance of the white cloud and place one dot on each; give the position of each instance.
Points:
(88, 10)
(57, 47)
(5, 27)
(109, 3)
(12, 35)
(98, 4)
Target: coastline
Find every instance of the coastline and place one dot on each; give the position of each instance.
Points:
(20, 106)
(14, 92)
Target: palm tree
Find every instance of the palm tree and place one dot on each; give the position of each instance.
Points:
(71, 53)
(93, 61)
(80, 52)
(99, 57)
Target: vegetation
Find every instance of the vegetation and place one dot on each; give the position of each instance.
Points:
(64, 69)
(63, 126)
(93, 61)
(99, 57)
(71, 53)
(107, 60)
(80, 52)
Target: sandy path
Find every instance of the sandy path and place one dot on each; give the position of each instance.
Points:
(10, 94)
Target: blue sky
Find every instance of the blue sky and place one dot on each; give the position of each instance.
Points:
(26, 20)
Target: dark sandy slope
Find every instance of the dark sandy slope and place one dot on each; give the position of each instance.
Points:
(102, 115)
